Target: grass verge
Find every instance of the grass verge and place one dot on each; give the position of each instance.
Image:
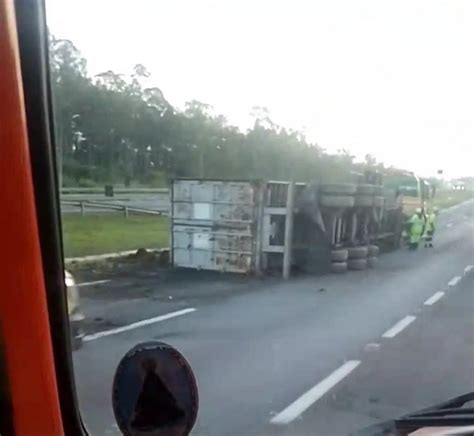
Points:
(445, 199)
(107, 233)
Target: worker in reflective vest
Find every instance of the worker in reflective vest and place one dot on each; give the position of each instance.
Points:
(430, 227)
(416, 226)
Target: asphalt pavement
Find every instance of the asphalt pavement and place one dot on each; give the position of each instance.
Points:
(314, 355)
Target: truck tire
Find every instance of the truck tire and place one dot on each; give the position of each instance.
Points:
(357, 264)
(363, 201)
(338, 188)
(365, 189)
(358, 252)
(339, 255)
(373, 250)
(378, 201)
(372, 261)
(378, 190)
(336, 201)
(338, 267)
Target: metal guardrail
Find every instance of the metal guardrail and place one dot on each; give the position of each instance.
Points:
(100, 190)
(99, 205)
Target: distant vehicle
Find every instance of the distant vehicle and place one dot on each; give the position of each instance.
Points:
(76, 317)
(459, 186)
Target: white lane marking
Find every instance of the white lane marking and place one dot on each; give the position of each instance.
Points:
(434, 298)
(138, 324)
(468, 269)
(399, 326)
(97, 282)
(454, 281)
(296, 408)
(449, 225)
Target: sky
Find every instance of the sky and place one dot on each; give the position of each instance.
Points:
(391, 78)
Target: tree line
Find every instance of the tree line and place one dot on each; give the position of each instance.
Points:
(111, 128)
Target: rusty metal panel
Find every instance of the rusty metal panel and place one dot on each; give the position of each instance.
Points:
(214, 225)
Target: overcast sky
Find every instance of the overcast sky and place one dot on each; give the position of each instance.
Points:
(391, 78)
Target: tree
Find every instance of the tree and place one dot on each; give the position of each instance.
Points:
(114, 128)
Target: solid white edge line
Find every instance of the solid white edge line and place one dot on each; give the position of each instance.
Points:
(454, 281)
(97, 282)
(296, 408)
(138, 324)
(399, 326)
(434, 298)
(468, 269)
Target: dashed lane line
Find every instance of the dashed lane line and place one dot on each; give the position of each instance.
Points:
(468, 269)
(138, 324)
(454, 281)
(399, 326)
(434, 298)
(296, 408)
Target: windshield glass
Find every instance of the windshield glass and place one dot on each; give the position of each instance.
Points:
(281, 190)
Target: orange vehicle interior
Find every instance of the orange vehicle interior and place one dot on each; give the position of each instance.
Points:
(35, 378)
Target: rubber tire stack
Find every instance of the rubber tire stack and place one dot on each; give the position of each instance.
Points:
(379, 198)
(364, 196)
(339, 260)
(373, 251)
(337, 195)
(357, 258)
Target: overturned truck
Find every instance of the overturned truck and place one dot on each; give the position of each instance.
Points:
(264, 226)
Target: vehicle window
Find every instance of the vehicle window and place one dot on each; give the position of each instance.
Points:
(280, 190)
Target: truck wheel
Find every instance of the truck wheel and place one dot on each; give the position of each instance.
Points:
(339, 255)
(373, 250)
(363, 201)
(372, 261)
(338, 267)
(378, 190)
(365, 189)
(357, 264)
(358, 252)
(338, 188)
(379, 201)
(336, 201)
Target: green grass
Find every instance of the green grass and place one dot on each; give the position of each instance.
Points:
(444, 199)
(98, 234)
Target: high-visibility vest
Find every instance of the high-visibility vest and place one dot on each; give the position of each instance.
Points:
(417, 225)
(431, 222)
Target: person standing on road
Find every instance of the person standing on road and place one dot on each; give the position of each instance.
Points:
(416, 225)
(431, 220)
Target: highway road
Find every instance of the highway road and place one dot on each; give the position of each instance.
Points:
(314, 355)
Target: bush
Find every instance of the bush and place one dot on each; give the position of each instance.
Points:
(86, 183)
(157, 179)
(68, 181)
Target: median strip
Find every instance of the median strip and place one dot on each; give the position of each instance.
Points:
(434, 298)
(138, 324)
(399, 326)
(314, 394)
